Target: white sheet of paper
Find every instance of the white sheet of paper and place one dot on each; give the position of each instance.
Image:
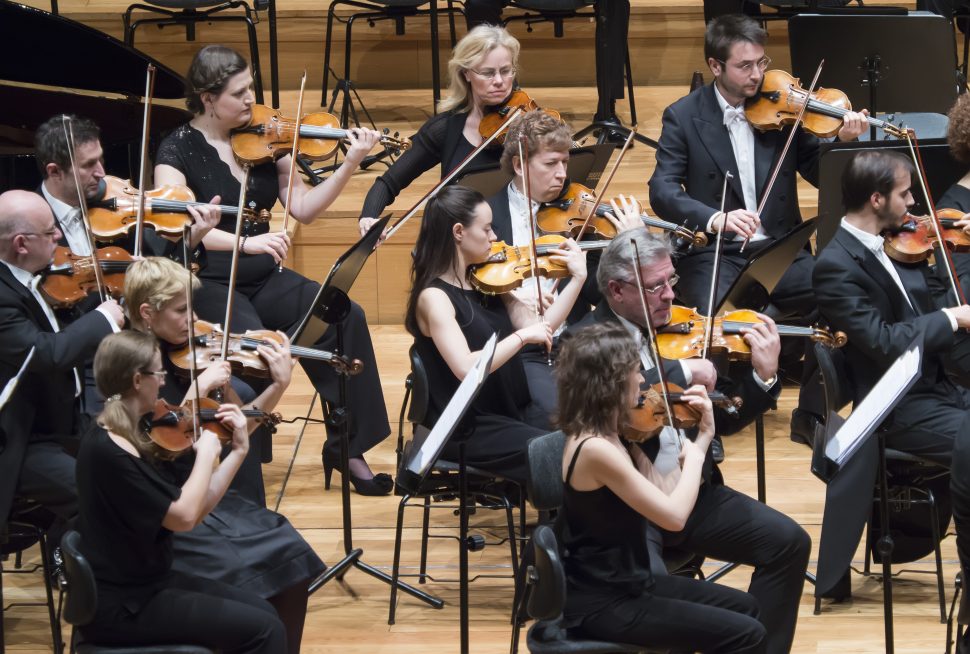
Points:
(873, 409)
(12, 384)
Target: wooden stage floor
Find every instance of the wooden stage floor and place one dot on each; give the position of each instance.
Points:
(352, 619)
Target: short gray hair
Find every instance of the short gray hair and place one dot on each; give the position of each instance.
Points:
(616, 263)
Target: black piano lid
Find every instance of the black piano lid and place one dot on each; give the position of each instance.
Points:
(39, 48)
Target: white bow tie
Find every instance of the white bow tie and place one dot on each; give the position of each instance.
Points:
(732, 115)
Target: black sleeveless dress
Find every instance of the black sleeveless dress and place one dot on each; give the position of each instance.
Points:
(499, 435)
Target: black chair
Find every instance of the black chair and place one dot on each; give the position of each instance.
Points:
(373, 11)
(191, 12)
(914, 484)
(82, 604)
(545, 600)
(441, 486)
(956, 622)
(27, 526)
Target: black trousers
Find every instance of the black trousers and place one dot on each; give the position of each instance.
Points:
(192, 610)
(47, 477)
(960, 494)
(681, 614)
(280, 301)
(729, 526)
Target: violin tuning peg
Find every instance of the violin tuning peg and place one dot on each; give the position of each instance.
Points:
(386, 130)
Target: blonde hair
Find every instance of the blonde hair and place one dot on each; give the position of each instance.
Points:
(471, 49)
(118, 358)
(154, 281)
(541, 130)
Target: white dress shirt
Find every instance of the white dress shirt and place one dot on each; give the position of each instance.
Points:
(70, 222)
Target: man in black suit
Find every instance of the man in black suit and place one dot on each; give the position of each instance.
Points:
(43, 413)
(724, 524)
(882, 306)
(705, 135)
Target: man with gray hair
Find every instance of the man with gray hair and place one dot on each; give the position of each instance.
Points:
(725, 524)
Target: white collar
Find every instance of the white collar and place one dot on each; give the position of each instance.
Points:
(20, 274)
(872, 242)
(722, 103)
(61, 209)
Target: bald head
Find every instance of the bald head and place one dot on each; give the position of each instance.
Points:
(25, 217)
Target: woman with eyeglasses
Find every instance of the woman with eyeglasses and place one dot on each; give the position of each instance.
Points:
(482, 71)
(451, 322)
(130, 512)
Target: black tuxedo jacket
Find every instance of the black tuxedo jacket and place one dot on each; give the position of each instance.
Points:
(43, 407)
(695, 152)
(501, 215)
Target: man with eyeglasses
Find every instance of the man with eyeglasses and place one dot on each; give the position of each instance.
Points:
(706, 135)
(42, 416)
(725, 524)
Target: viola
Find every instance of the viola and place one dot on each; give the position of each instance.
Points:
(495, 116)
(507, 266)
(171, 427)
(113, 212)
(915, 240)
(683, 336)
(269, 136)
(566, 214)
(649, 416)
(71, 277)
(243, 357)
(781, 97)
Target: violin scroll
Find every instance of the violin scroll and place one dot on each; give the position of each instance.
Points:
(345, 365)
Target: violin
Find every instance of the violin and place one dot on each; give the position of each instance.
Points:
(71, 277)
(243, 357)
(683, 337)
(916, 238)
(565, 215)
(114, 210)
(495, 116)
(269, 136)
(648, 417)
(507, 266)
(171, 427)
(781, 97)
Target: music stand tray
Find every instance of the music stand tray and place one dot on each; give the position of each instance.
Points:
(761, 273)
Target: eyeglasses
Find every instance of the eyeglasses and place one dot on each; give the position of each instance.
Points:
(490, 73)
(653, 290)
(157, 374)
(745, 67)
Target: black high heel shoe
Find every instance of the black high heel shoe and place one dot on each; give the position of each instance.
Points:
(381, 484)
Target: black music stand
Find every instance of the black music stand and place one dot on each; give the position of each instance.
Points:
(848, 460)
(331, 307)
(884, 63)
(942, 171)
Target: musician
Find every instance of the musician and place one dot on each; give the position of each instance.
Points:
(724, 524)
(129, 512)
(200, 156)
(239, 542)
(451, 321)
(548, 141)
(613, 493)
(706, 135)
(882, 306)
(958, 195)
(482, 70)
(42, 417)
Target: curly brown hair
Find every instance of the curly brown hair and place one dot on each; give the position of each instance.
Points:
(542, 131)
(958, 132)
(591, 372)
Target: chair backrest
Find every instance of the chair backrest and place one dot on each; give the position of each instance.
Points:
(545, 471)
(549, 584)
(831, 363)
(419, 388)
(82, 589)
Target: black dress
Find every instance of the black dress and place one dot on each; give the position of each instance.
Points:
(612, 596)
(268, 298)
(239, 542)
(141, 599)
(958, 197)
(499, 435)
(439, 141)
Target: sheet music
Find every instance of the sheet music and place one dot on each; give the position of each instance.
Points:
(12, 384)
(428, 452)
(871, 411)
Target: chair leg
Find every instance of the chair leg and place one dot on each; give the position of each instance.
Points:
(396, 568)
(425, 525)
(51, 613)
(254, 57)
(451, 23)
(435, 63)
(629, 87)
(328, 42)
(513, 545)
(935, 527)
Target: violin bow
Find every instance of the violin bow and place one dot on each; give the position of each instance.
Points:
(293, 155)
(913, 144)
(193, 373)
(143, 160)
(451, 175)
(784, 152)
(609, 178)
(82, 204)
(234, 267)
(533, 251)
(715, 275)
(654, 349)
